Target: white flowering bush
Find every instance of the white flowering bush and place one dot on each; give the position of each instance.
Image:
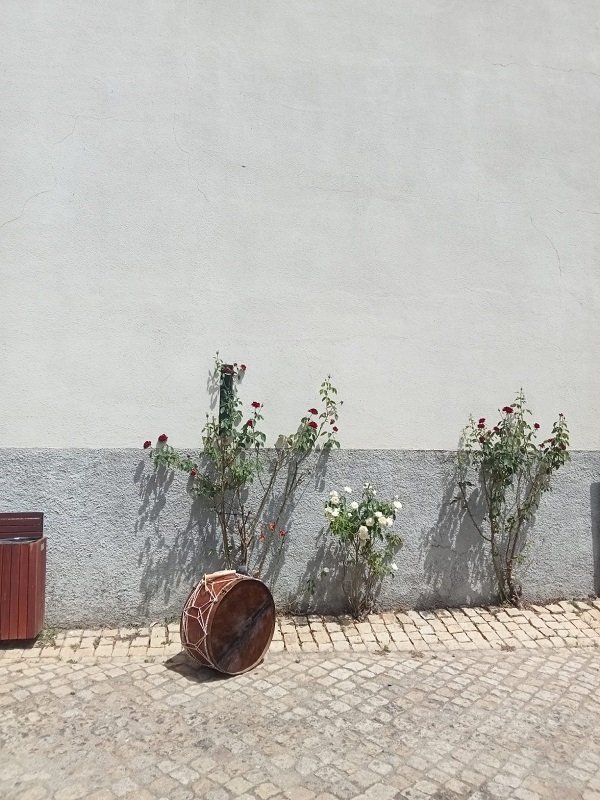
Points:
(365, 543)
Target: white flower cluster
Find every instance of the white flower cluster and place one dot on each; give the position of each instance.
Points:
(333, 510)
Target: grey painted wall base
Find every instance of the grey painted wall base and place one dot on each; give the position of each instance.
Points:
(126, 544)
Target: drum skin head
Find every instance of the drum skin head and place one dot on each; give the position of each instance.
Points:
(242, 627)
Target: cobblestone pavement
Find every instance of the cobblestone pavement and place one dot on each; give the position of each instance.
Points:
(481, 724)
(565, 624)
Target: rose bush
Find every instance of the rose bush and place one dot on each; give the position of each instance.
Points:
(235, 458)
(509, 471)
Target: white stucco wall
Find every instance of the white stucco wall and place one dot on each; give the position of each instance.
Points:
(406, 194)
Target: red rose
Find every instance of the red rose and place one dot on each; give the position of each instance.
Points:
(249, 423)
(496, 429)
(147, 444)
(332, 422)
(255, 404)
(482, 420)
(542, 446)
(243, 367)
(312, 411)
(482, 439)
(312, 424)
(335, 430)
(282, 533)
(163, 437)
(536, 425)
(481, 425)
(193, 472)
(507, 410)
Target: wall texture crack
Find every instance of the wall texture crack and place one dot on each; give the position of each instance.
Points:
(545, 235)
(24, 206)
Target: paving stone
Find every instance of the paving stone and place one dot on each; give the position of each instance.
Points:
(89, 664)
(373, 727)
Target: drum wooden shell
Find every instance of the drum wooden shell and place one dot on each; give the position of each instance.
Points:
(228, 622)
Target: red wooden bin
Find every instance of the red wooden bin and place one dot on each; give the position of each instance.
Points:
(22, 575)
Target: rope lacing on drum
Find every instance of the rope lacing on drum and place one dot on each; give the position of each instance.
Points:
(196, 613)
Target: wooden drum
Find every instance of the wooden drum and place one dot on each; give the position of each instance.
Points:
(228, 622)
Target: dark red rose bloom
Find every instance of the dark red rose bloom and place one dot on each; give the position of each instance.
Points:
(496, 429)
(335, 430)
(482, 420)
(332, 422)
(249, 424)
(542, 446)
(536, 425)
(193, 472)
(312, 424)
(243, 367)
(282, 533)
(312, 411)
(163, 437)
(227, 369)
(507, 410)
(255, 404)
(482, 439)
(147, 444)
(481, 425)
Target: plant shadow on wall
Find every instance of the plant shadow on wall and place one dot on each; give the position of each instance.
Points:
(315, 469)
(244, 493)
(169, 558)
(501, 473)
(318, 587)
(455, 558)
